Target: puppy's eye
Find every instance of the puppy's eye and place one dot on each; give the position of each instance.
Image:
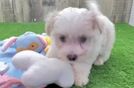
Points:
(63, 38)
(82, 39)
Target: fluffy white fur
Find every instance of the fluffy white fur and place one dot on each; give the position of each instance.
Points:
(73, 24)
(39, 71)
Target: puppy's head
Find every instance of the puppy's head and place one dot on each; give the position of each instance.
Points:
(74, 33)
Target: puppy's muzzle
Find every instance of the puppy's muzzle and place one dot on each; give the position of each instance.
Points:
(72, 57)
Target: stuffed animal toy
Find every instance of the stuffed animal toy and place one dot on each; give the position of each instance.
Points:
(39, 71)
(27, 41)
(9, 75)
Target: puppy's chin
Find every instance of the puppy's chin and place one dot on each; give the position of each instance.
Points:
(72, 62)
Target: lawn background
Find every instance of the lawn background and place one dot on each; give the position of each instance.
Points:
(118, 72)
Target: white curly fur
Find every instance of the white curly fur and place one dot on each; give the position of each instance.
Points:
(72, 23)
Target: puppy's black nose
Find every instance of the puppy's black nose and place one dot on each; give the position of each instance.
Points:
(72, 57)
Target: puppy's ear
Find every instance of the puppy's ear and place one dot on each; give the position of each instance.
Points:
(50, 20)
(98, 22)
(95, 15)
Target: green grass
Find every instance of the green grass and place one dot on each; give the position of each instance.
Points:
(15, 29)
(118, 72)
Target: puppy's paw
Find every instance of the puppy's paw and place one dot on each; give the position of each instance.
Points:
(81, 81)
(99, 62)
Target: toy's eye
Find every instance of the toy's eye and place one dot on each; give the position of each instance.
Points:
(33, 46)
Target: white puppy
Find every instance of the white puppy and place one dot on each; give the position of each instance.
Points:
(81, 37)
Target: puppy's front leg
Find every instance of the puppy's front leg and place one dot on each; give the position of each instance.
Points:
(81, 73)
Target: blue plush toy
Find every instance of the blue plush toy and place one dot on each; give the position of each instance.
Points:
(27, 41)
(9, 47)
